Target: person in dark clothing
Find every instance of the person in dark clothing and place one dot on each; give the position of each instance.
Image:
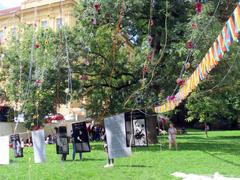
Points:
(75, 139)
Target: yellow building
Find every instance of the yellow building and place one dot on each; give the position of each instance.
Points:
(40, 13)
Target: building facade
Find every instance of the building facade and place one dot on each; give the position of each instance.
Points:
(39, 13)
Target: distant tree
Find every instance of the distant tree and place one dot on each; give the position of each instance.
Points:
(35, 71)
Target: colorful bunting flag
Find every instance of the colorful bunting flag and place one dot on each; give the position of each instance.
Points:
(215, 53)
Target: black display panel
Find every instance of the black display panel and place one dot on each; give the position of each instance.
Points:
(80, 137)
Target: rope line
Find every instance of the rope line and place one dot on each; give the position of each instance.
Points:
(158, 61)
(195, 45)
(224, 77)
(191, 51)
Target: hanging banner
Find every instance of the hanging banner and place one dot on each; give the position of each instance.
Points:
(62, 146)
(81, 138)
(116, 137)
(16, 143)
(39, 146)
(4, 150)
(221, 45)
(136, 129)
(139, 132)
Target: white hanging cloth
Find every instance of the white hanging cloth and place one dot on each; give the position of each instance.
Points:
(39, 146)
(116, 136)
(4, 150)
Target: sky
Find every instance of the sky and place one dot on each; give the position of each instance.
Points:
(9, 3)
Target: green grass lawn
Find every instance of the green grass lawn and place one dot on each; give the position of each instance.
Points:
(196, 154)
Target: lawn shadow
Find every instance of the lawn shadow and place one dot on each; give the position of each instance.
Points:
(210, 146)
(94, 159)
(151, 147)
(11, 161)
(192, 142)
(84, 159)
(135, 166)
(97, 146)
(226, 137)
(65, 161)
(190, 137)
(225, 160)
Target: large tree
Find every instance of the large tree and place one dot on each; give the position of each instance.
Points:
(115, 80)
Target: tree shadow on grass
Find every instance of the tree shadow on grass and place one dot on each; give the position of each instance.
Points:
(97, 147)
(210, 146)
(191, 137)
(84, 159)
(67, 160)
(192, 143)
(134, 166)
(93, 159)
(222, 159)
(11, 161)
(197, 145)
(226, 137)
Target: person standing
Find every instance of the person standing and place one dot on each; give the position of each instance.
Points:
(18, 148)
(110, 162)
(76, 138)
(206, 128)
(172, 136)
(22, 146)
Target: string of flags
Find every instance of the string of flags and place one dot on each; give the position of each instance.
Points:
(215, 53)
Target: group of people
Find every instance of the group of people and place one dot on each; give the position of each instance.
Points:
(26, 143)
(95, 131)
(18, 146)
(76, 138)
(172, 132)
(50, 139)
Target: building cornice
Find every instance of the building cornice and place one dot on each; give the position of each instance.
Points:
(17, 11)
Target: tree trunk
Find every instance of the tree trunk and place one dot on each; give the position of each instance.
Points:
(151, 124)
(238, 122)
(206, 129)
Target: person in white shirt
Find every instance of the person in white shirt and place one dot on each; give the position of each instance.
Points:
(22, 146)
(172, 136)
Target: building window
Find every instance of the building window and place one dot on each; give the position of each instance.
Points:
(1, 36)
(59, 23)
(44, 24)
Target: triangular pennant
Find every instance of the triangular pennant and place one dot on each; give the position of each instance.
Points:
(232, 28)
(225, 38)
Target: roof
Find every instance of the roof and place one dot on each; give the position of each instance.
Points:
(9, 10)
